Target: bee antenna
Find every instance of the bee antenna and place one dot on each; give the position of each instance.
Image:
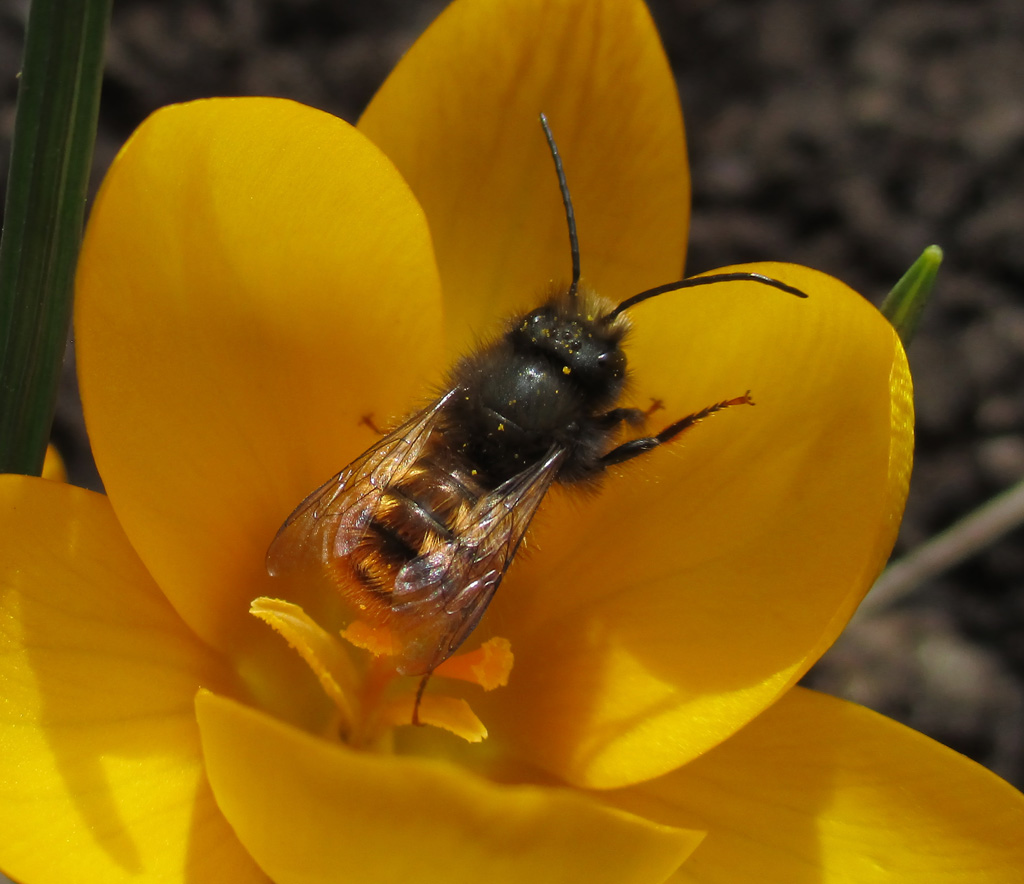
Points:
(570, 216)
(694, 281)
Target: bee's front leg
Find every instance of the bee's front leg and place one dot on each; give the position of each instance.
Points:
(635, 447)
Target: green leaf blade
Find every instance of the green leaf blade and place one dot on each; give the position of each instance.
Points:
(55, 130)
(904, 305)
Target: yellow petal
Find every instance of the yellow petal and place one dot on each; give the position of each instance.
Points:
(660, 615)
(312, 811)
(459, 117)
(255, 278)
(53, 465)
(819, 790)
(101, 778)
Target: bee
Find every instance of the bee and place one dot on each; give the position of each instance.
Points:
(419, 530)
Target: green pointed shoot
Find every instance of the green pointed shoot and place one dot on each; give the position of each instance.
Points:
(54, 133)
(904, 305)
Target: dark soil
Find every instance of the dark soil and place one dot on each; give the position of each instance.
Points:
(845, 135)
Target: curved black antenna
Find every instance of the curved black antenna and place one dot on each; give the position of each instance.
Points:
(570, 216)
(694, 281)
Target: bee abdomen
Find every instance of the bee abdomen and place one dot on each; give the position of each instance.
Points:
(414, 518)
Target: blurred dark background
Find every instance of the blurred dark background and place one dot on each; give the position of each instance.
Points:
(845, 135)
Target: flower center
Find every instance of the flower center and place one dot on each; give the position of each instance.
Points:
(357, 671)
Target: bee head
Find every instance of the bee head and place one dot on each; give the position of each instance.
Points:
(586, 349)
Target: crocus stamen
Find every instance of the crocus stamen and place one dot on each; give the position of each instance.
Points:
(371, 697)
(378, 640)
(321, 651)
(488, 666)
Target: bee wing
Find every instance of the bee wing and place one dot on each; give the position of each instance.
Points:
(443, 594)
(331, 521)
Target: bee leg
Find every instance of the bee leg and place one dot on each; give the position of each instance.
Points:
(419, 696)
(367, 421)
(636, 447)
(635, 417)
(632, 416)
